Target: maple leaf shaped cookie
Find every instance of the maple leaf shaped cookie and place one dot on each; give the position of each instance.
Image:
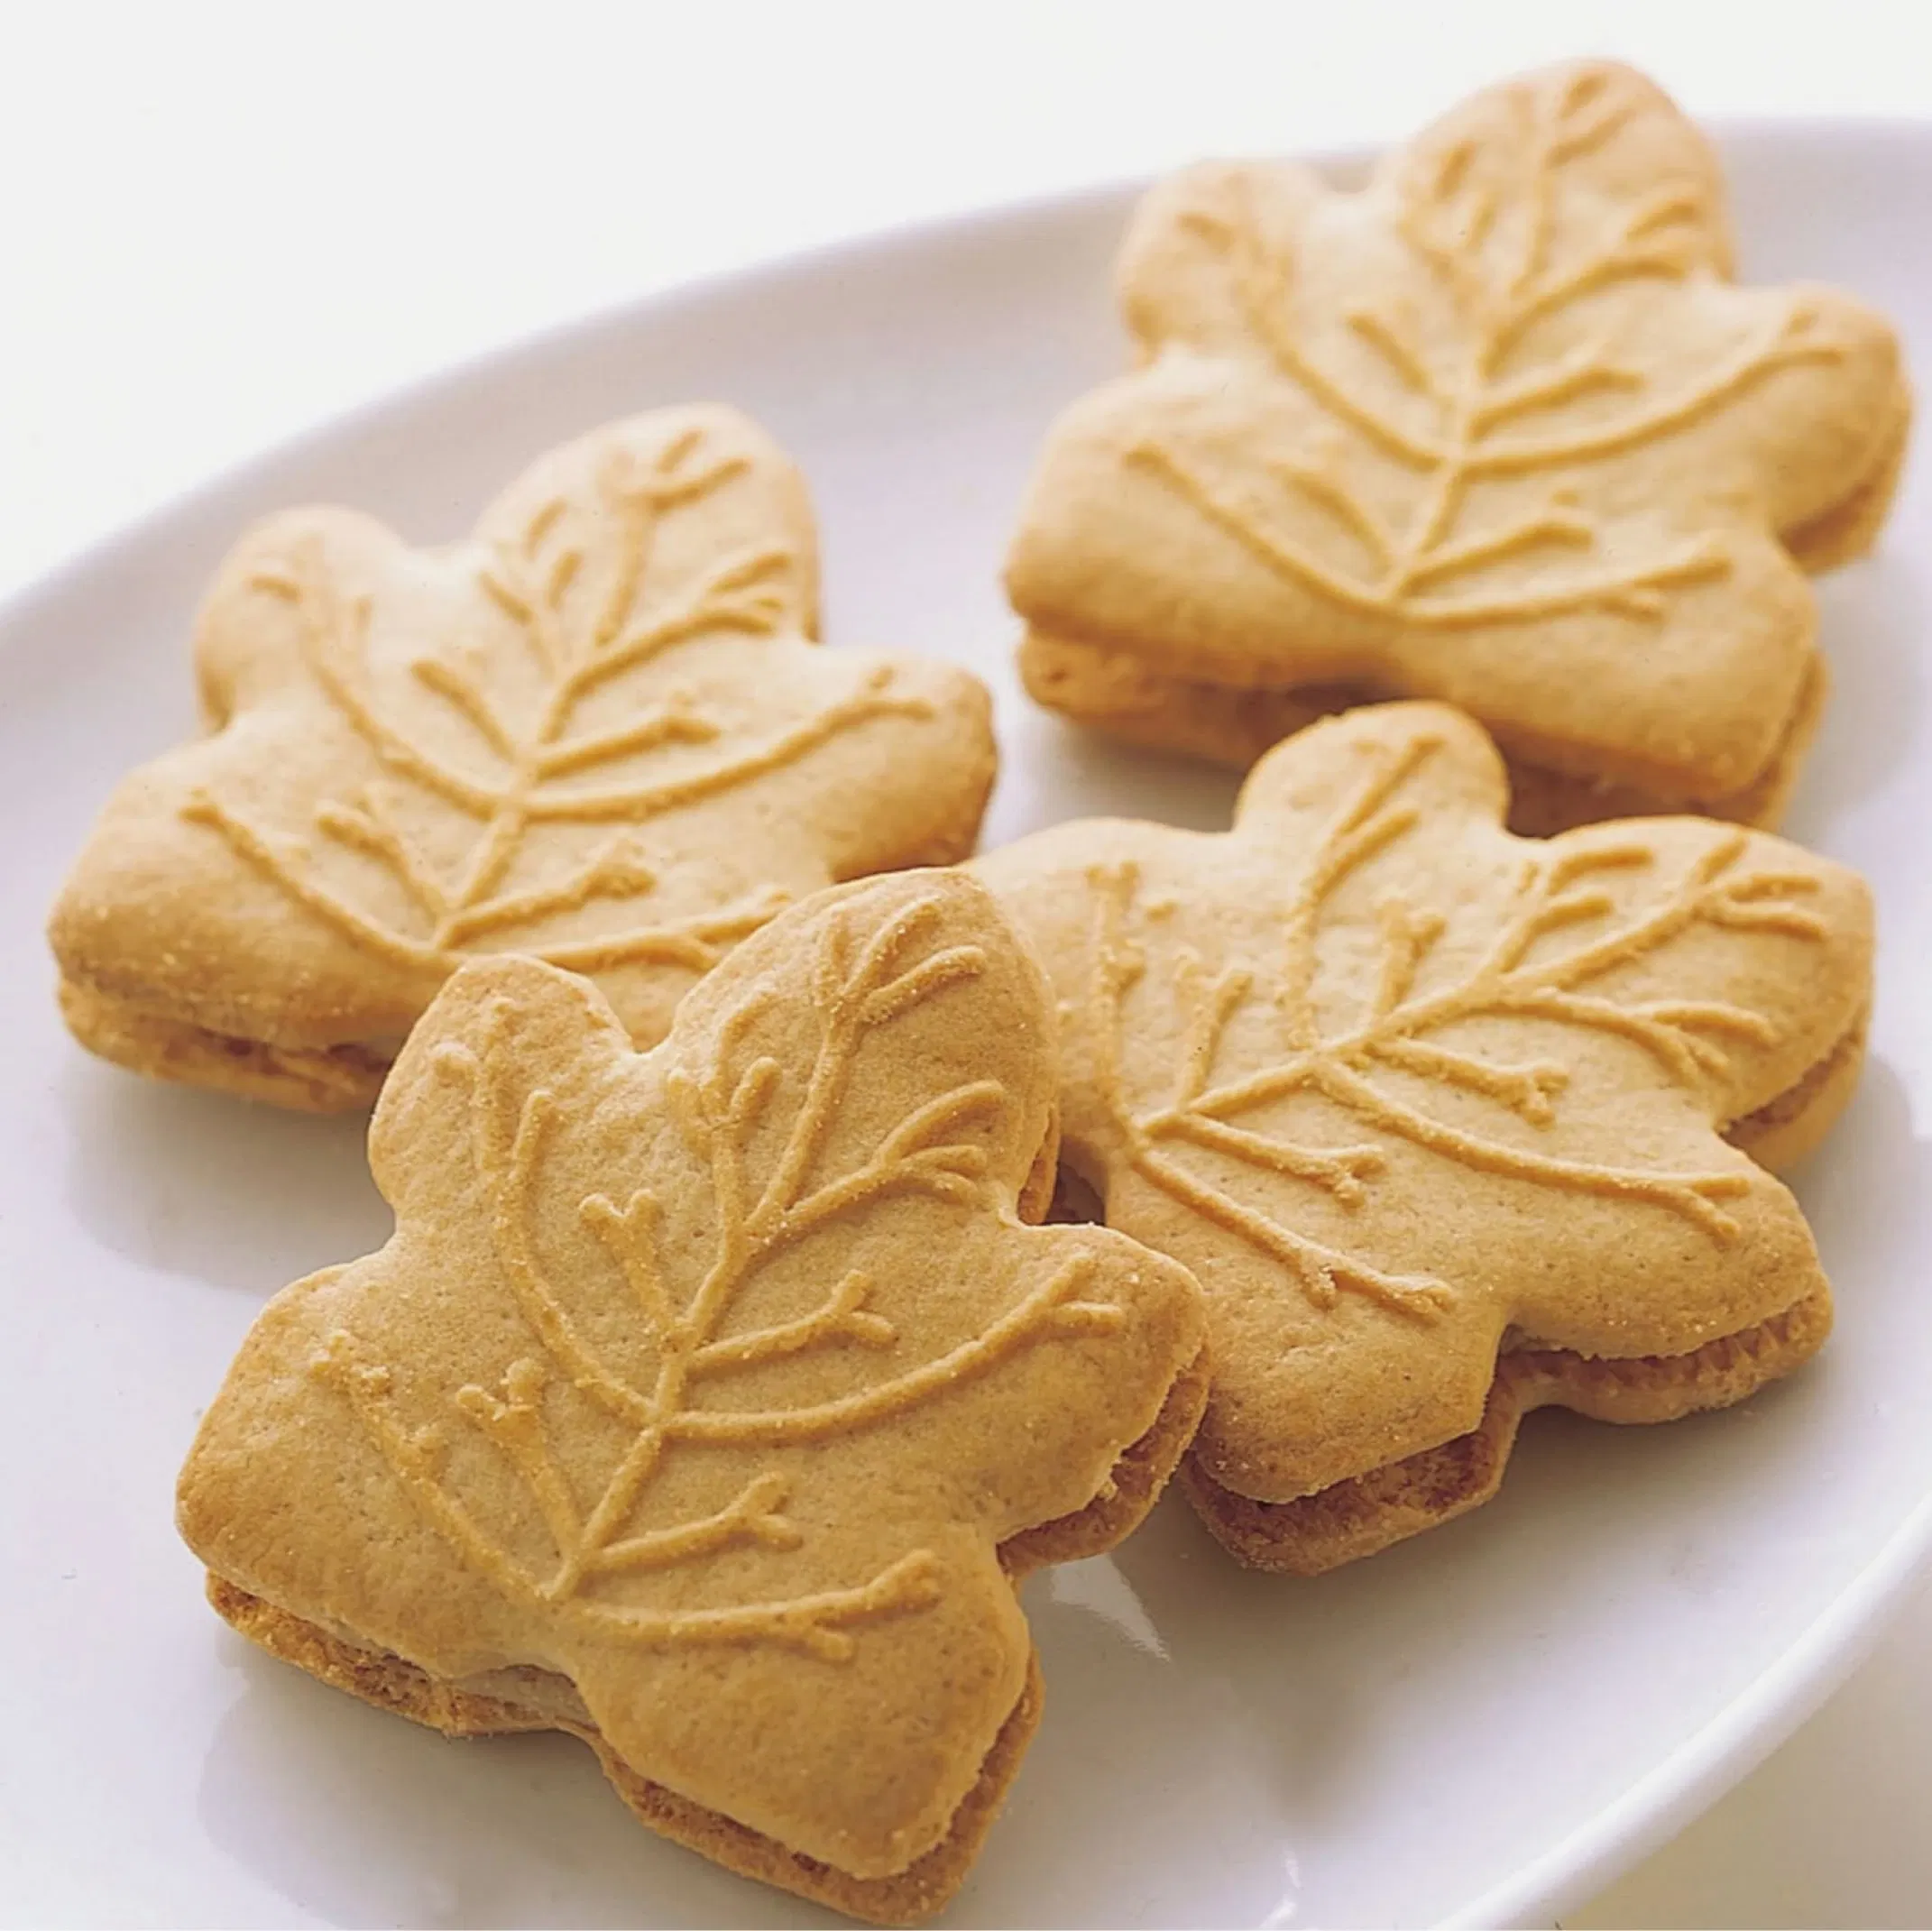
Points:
(709, 1403)
(1497, 429)
(1449, 1124)
(597, 732)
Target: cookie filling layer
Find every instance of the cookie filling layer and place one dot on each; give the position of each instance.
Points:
(1785, 1129)
(509, 1701)
(1107, 690)
(1385, 1506)
(1368, 1513)
(316, 1079)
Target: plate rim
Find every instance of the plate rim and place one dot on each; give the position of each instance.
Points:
(1719, 1755)
(1728, 133)
(1755, 1721)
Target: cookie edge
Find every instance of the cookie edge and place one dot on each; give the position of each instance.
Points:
(390, 1682)
(1374, 1510)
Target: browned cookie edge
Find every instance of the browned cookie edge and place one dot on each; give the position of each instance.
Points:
(1369, 1512)
(1848, 530)
(1787, 1129)
(1121, 697)
(1131, 1489)
(342, 1079)
(392, 1684)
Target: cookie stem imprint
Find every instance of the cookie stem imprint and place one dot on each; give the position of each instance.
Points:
(862, 984)
(532, 765)
(1484, 223)
(1396, 1028)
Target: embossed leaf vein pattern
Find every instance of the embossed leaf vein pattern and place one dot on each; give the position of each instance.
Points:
(862, 983)
(1459, 407)
(579, 644)
(1522, 974)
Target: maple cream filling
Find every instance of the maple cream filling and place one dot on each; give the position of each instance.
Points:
(1651, 790)
(1791, 1104)
(1780, 1111)
(1538, 1371)
(365, 1055)
(375, 1054)
(905, 1896)
(522, 1686)
(1519, 1343)
(1536, 1375)
(147, 1008)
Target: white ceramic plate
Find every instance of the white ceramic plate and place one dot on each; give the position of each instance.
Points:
(1482, 1726)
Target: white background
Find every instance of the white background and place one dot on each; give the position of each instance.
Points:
(219, 226)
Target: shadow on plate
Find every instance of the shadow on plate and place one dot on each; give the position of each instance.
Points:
(1304, 1669)
(362, 1818)
(365, 1819)
(241, 1196)
(1872, 624)
(1070, 772)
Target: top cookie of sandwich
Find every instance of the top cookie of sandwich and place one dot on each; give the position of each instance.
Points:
(597, 733)
(1499, 428)
(1429, 1108)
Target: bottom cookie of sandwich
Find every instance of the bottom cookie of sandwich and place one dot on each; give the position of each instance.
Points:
(1124, 698)
(1370, 1512)
(534, 1699)
(304, 1080)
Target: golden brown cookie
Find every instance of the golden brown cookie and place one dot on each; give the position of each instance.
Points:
(1449, 1124)
(708, 1403)
(1499, 429)
(596, 732)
